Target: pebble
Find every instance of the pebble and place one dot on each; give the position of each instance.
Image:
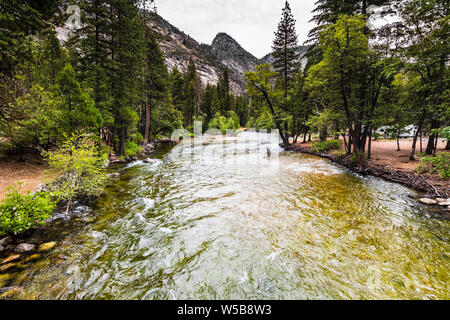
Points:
(428, 201)
(9, 291)
(24, 247)
(32, 257)
(11, 258)
(7, 267)
(46, 246)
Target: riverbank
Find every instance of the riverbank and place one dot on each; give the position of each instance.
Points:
(390, 165)
(31, 172)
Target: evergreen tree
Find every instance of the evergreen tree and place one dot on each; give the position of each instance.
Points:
(77, 109)
(286, 57)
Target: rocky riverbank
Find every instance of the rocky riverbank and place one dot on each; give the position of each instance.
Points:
(437, 190)
(17, 252)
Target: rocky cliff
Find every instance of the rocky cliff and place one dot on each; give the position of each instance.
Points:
(211, 60)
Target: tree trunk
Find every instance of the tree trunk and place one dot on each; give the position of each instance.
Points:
(436, 144)
(345, 141)
(398, 141)
(419, 130)
(421, 144)
(369, 151)
(147, 121)
(430, 145)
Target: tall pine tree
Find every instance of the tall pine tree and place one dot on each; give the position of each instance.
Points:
(286, 57)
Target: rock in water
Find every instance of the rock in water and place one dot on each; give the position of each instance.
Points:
(24, 247)
(148, 160)
(428, 201)
(7, 267)
(11, 258)
(46, 246)
(269, 153)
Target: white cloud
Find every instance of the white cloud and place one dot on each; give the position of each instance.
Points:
(251, 22)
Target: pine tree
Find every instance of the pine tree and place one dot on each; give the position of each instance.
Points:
(286, 57)
(77, 110)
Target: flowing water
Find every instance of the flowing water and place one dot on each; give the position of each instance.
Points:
(288, 226)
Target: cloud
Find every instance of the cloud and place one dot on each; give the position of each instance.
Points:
(251, 22)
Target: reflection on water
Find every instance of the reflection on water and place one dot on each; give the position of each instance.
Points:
(219, 229)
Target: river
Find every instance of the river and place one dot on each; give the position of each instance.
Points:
(236, 223)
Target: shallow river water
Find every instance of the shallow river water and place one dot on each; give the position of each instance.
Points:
(222, 220)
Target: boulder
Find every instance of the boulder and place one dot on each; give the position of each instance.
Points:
(5, 241)
(148, 160)
(24, 247)
(428, 201)
(445, 204)
(46, 246)
(439, 200)
(11, 258)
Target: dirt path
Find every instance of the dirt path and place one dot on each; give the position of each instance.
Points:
(31, 172)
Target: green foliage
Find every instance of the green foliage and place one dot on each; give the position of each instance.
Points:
(440, 163)
(264, 121)
(445, 133)
(223, 124)
(78, 168)
(132, 149)
(325, 146)
(19, 213)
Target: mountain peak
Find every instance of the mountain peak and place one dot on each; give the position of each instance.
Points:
(231, 53)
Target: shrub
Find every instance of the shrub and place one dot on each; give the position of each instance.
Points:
(19, 213)
(78, 168)
(132, 149)
(440, 163)
(324, 146)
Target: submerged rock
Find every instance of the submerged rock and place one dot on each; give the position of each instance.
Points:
(46, 246)
(428, 201)
(11, 258)
(24, 247)
(9, 291)
(8, 266)
(32, 257)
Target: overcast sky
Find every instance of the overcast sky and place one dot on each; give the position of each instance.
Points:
(252, 23)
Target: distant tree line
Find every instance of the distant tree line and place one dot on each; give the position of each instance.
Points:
(358, 77)
(109, 78)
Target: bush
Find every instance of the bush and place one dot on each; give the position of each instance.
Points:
(132, 149)
(324, 146)
(440, 163)
(19, 213)
(78, 167)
